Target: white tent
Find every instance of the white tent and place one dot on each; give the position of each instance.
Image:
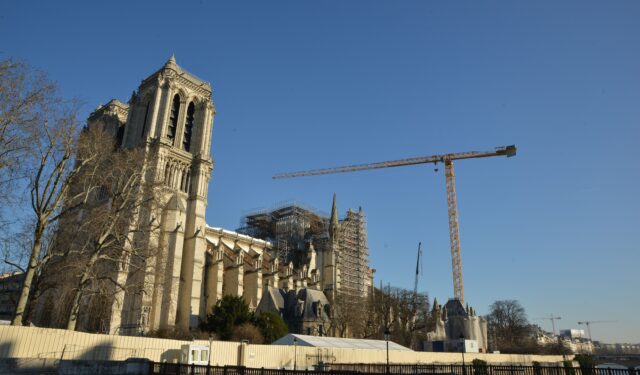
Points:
(337, 342)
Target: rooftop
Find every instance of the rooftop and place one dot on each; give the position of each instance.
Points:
(337, 342)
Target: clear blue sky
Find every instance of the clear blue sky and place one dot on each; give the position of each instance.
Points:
(302, 85)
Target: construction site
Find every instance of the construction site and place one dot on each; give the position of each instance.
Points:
(303, 237)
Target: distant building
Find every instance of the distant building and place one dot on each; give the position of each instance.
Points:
(457, 328)
(10, 288)
(621, 348)
(572, 333)
(578, 346)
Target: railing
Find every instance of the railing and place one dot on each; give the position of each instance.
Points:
(480, 369)
(366, 369)
(184, 369)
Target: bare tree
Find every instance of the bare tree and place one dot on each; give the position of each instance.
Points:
(396, 309)
(25, 96)
(110, 245)
(50, 169)
(508, 327)
(347, 314)
(408, 315)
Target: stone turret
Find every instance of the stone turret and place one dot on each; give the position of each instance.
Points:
(334, 223)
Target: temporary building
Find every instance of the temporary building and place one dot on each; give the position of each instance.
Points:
(337, 342)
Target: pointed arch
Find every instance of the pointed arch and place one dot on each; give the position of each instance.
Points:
(188, 188)
(173, 118)
(188, 127)
(146, 117)
(166, 173)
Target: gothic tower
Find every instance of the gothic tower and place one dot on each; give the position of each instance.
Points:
(171, 115)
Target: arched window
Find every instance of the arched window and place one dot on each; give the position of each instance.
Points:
(173, 119)
(188, 127)
(144, 123)
(166, 174)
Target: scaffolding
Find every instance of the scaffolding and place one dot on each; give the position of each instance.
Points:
(353, 260)
(292, 228)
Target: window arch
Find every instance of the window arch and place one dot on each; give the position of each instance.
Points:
(173, 118)
(144, 122)
(166, 173)
(188, 127)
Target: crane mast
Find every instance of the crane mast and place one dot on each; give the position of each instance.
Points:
(447, 159)
(454, 232)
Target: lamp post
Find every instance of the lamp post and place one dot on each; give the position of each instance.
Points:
(462, 350)
(210, 343)
(387, 336)
(295, 353)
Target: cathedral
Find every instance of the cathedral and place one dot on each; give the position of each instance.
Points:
(170, 117)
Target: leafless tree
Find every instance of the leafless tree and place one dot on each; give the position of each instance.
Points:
(25, 97)
(110, 246)
(49, 168)
(347, 315)
(408, 315)
(396, 309)
(509, 328)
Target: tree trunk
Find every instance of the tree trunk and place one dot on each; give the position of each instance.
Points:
(75, 308)
(75, 305)
(28, 278)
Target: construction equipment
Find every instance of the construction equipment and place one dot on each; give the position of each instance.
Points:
(447, 159)
(588, 323)
(553, 321)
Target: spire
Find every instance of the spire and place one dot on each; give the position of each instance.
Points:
(334, 224)
(435, 303)
(172, 60)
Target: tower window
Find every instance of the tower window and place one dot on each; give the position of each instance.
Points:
(173, 119)
(120, 135)
(144, 123)
(188, 127)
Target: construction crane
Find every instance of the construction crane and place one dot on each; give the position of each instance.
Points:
(553, 321)
(447, 160)
(588, 323)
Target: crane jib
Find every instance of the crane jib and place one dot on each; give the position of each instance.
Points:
(508, 151)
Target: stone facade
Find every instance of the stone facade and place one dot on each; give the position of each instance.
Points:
(170, 117)
(457, 328)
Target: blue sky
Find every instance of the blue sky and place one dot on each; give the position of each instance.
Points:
(301, 85)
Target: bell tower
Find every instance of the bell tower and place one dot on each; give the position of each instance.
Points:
(171, 115)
